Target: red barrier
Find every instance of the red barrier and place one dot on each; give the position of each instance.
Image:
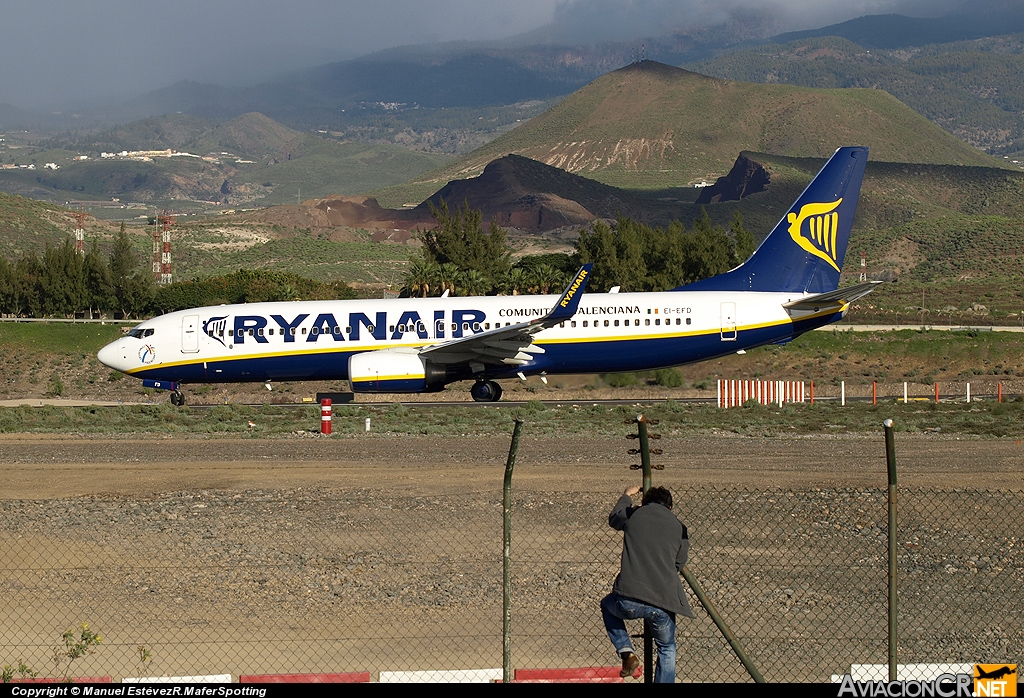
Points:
(73, 679)
(325, 416)
(733, 393)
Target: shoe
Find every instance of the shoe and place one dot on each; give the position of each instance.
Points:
(630, 663)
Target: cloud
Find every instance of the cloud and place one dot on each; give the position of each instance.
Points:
(59, 52)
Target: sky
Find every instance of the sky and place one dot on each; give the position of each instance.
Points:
(55, 53)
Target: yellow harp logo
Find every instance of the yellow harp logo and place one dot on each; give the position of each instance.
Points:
(820, 236)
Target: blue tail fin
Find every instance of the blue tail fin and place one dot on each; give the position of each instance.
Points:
(805, 251)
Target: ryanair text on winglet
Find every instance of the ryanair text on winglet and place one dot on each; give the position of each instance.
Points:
(572, 289)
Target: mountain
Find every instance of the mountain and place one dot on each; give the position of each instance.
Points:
(650, 125)
(972, 89)
(12, 117)
(899, 31)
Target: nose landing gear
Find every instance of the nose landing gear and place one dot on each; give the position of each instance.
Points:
(177, 398)
(486, 391)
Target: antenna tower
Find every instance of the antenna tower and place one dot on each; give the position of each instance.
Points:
(162, 248)
(863, 267)
(79, 232)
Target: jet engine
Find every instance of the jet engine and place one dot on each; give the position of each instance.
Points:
(394, 371)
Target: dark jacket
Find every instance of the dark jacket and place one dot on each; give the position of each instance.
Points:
(654, 549)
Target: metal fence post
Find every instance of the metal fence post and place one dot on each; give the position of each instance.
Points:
(890, 457)
(506, 586)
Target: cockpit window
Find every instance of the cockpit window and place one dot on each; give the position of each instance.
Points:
(140, 332)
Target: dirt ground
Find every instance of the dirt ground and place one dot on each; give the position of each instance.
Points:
(43, 467)
(379, 552)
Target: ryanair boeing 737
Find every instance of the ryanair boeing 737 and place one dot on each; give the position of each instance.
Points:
(787, 287)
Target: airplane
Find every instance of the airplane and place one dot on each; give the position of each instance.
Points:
(788, 286)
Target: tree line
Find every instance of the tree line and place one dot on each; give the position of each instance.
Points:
(458, 257)
(64, 283)
(461, 258)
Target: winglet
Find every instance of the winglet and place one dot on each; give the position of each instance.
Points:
(567, 303)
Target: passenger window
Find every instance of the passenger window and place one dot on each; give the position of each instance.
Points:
(647, 321)
(657, 321)
(315, 330)
(687, 321)
(420, 327)
(637, 322)
(401, 328)
(465, 327)
(487, 325)
(391, 329)
(584, 323)
(572, 323)
(292, 331)
(616, 323)
(250, 332)
(348, 330)
(337, 330)
(231, 333)
(303, 330)
(476, 326)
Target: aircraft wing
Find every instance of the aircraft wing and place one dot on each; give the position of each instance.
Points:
(512, 345)
(829, 302)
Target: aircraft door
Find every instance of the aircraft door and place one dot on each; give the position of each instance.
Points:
(190, 334)
(728, 322)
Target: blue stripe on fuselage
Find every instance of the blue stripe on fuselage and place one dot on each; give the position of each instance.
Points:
(606, 356)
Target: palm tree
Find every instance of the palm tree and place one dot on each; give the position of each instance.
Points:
(448, 275)
(421, 275)
(474, 283)
(516, 281)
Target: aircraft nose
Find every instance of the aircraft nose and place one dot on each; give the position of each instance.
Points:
(113, 356)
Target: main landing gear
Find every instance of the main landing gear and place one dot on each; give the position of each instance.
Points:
(486, 391)
(177, 398)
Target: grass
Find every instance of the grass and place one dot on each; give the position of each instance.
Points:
(984, 419)
(58, 337)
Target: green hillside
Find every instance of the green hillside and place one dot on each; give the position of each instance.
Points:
(974, 89)
(651, 126)
(28, 226)
(250, 160)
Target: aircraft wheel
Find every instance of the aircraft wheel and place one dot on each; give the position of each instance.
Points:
(177, 399)
(485, 391)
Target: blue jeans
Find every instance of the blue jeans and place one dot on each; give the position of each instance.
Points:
(617, 608)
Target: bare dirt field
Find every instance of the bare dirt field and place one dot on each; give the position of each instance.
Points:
(377, 553)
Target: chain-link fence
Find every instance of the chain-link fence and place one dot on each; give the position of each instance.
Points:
(321, 580)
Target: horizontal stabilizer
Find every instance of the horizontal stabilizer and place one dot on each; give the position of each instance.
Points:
(829, 302)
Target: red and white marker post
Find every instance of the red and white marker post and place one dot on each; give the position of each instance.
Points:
(325, 416)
